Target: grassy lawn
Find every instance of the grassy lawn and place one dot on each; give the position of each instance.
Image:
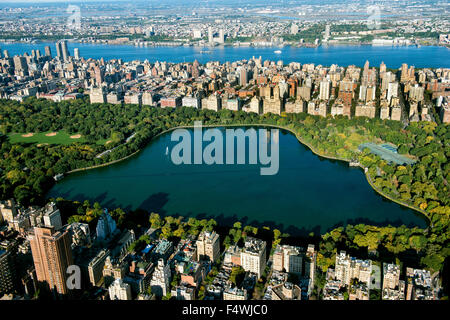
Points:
(102, 141)
(61, 137)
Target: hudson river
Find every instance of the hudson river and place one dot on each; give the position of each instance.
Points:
(309, 193)
(343, 55)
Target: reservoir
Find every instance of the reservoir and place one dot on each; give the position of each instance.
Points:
(308, 194)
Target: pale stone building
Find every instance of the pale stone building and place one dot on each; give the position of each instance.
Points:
(325, 87)
(365, 110)
(304, 92)
(255, 105)
(161, 279)
(147, 99)
(286, 291)
(392, 91)
(119, 290)
(96, 265)
(396, 113)
(213, 102)
(296, 106)
(232, 104)
(385, 112)
(195, 102)
(358, 292)
(208, 246)
(97, 95)
(253, 256)
(133, 98)
(337, 109)
(416, 93)
(234, 294)
(272, 102)
(113, 270)
(183, 292)
(391, 275)
(348, 268)
(8, 210)
(288, 258)
(113, 98)
(317, 109)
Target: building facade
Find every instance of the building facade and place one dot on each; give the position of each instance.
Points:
(52, 255)
(208, 246)
(253, 256)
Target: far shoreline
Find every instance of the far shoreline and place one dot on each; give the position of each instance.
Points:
(171, 44)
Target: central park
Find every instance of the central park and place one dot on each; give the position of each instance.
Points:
(29, 167)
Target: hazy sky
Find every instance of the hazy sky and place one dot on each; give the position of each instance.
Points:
(44, 1)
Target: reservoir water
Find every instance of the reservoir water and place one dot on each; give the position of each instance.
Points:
(309, 193)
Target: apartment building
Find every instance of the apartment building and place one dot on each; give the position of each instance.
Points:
(253, 256)
(208, 246)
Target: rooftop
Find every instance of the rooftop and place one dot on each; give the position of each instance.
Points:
(387, 152)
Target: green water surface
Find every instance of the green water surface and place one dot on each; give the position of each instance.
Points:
(309, 193)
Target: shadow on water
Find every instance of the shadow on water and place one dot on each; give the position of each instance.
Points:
(155, 203)
(406, 210)
(66, 195)
(292, 230)
(102, 199)
(385, 223)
